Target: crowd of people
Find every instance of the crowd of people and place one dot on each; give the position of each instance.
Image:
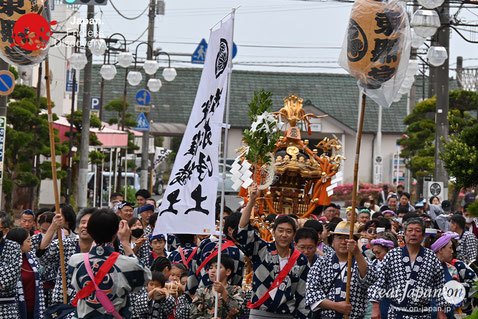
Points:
(403, 256)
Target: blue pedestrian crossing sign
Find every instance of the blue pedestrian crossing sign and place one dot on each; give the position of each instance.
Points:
(7, 82)
(142, 123)
(199, 55)
(143, 97)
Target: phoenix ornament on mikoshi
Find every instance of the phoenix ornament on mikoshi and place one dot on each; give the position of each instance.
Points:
(302, 178)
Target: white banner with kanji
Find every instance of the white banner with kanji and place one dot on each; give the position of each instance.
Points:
(189, 203)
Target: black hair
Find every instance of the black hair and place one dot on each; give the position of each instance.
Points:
(18, 235)
(85, 211)
(376, 215)
(388, 235)
(363, 201)
(405, 194)
(330, 205)
(402, 210)
(69, 214)
(143, 193)
(6, 220)
(414, 221)
(314, 224)
(459, 220)
(115, 194)
(283, 219)
(392, 196)
(152, 220)
(40, 212)
(159, 277)
(46, 217)
(385, 223)
(185, 239)
(160, 263)
(133, 221)
(408, 216)
(226, 261)
(430, 200)
(306, 233)
(103, 225)
(179, 266)
(400, 186)
(335, 221)
(231, 221)
(184, 274)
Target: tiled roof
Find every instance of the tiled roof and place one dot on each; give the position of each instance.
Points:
(333, 94)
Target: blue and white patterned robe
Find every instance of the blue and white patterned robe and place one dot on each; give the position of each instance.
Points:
(175, 256)
(321, 286)
(128, 275)
(208, 246)
(39, 296)
(396, 272)
(10, 265)
(50, 260)
(289, 297)
(467, 247)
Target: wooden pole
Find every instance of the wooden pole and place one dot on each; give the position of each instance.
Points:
(358, 141)
(54, 177)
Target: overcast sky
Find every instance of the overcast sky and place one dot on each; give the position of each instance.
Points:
(274, 35)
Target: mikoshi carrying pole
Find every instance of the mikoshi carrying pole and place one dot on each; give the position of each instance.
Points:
(54, 177)
(358, 141)
(224, 154)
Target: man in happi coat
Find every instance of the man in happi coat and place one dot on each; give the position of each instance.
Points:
(327, 280)
(280, 270)
(410, 277)
(198, 275)
(10, 265)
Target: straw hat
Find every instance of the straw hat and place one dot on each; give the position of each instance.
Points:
(343, 228)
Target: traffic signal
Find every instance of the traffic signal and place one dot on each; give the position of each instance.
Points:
(87, 2)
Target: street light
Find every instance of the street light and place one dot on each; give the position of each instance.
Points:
(108, 71)
(97, 46)
(125, 59)
(425, 22)
(78, 61)
(431, 4)
(169, 73)
(134, 78)
(437, 55)
(150, 67)
(154, 85)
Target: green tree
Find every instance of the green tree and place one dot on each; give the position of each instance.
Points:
(27, 137)
(419, 140)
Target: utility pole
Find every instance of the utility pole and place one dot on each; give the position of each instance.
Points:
(442, 93)
(85, 129)
(145, 139)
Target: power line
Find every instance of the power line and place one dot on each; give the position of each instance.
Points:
(127, 18)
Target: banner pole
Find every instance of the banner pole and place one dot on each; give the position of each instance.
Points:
(358, 141)
(54, 177)
(224, 154)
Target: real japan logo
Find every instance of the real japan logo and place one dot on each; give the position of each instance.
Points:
(32, 32)
(222, 57)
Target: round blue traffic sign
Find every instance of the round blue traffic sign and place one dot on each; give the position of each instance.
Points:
(143, 97)
(7, 82)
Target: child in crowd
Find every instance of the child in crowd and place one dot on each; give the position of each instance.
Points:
(157, 244)
(174, 282)
(154, 302)
(231, 297)
(163, 265)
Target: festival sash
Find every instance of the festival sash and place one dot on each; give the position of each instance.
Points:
(100, 275)
(226, 245)
(279, 279)
(186, 262)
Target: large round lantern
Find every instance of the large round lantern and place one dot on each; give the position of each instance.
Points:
(375, 38)
(25, 33)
